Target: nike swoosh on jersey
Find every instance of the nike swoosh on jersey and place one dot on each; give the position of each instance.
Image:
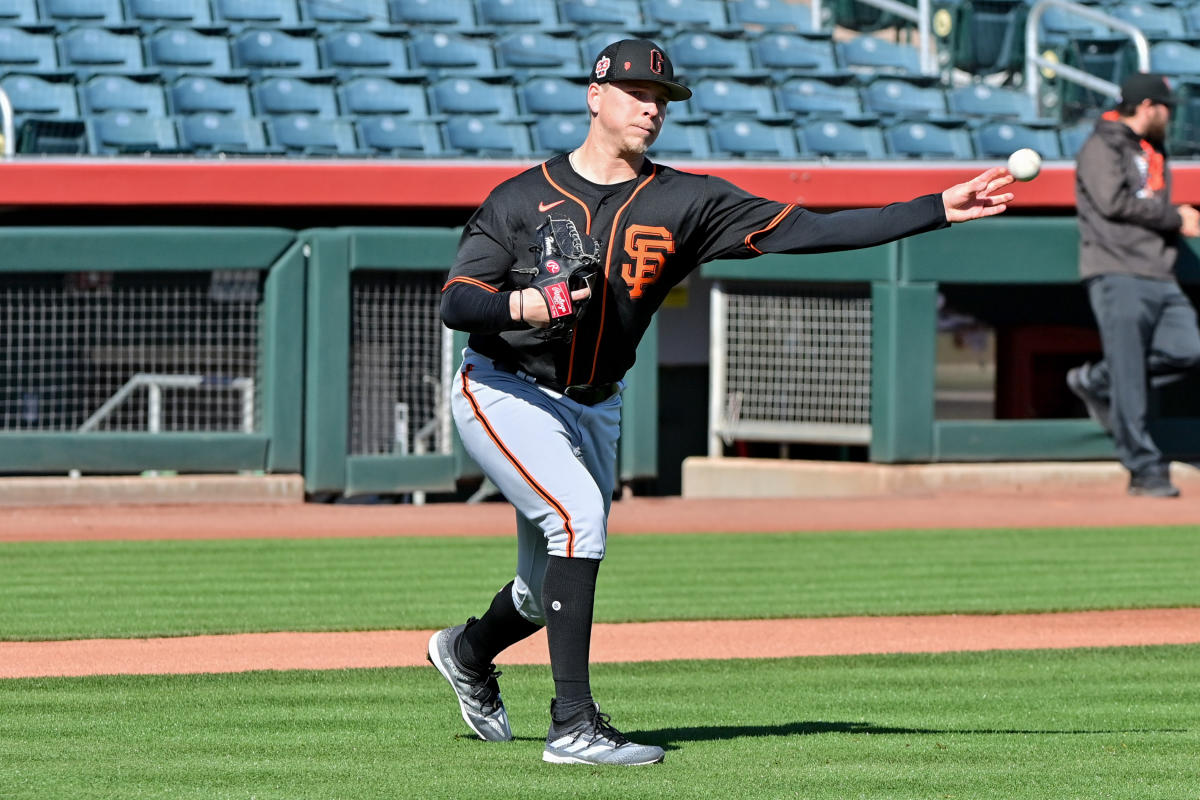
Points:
(544, 207)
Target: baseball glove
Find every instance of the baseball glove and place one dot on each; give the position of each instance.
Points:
(566, 262)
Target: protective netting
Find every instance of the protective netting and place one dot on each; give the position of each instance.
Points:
(127, 351)
(399, 372)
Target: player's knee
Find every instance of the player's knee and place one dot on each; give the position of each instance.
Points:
(528, 602)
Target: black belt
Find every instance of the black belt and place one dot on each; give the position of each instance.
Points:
(582, 393)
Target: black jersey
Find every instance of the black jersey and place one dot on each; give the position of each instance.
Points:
(653, 230)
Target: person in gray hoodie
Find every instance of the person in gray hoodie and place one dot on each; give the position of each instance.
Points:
(1129, 239)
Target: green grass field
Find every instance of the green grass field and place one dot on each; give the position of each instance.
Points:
(1121, 723)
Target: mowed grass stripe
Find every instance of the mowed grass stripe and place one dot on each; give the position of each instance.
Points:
(166, 588)
(1014, 725)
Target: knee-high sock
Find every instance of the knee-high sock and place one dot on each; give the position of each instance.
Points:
(499, 627)
(568, 593)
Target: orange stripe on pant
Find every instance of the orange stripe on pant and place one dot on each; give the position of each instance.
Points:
(512, 459)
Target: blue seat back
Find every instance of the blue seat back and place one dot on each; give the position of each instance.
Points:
(749, 138)
(871, 54)
(364, 50)
(910, 138)
(441, 13)
(105, 93)
(274, 50)
(686, 14)
(789, 52)
(811, 96)
(1151, 19)
(898, 96)
(273, 13)
(517, 12)
(1175, 58)
(345, 12)
(722, 96)
(277, 95)
(698, 53)
(400, 136)
(371, 94)
(832, 137)
(558, 133)
(27, 51)
(775, 15)
(220, 133)
(449, 53)
(616, 14)
(301, 133)
(195, 94)
(531, 51)
(33, 95)
(169, 12)
(88, 49)
(552, 95)
(677, 140)
(181, 49)
(19, 12)
(1000, 139)
(87, 12)
(123, 132)
(487, 136)
(466, 95)
(982, 100)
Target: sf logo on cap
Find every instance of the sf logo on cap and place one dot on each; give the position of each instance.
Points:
(602, 67)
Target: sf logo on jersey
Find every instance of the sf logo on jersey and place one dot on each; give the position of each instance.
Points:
(648, 246)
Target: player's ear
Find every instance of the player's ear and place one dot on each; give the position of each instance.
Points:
(593, 98)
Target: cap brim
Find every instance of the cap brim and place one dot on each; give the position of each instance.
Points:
(675, 91)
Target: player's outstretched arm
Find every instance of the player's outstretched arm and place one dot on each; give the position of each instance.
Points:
(978, 197)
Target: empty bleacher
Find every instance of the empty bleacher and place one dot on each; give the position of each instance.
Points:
(505, 78)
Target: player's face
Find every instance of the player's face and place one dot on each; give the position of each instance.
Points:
(631, 113)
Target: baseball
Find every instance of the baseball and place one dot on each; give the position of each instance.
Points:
(1025, 164)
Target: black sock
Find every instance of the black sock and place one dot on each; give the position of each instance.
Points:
(501, 626)
(568, 592)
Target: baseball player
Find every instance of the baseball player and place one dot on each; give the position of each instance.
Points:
(556, 278)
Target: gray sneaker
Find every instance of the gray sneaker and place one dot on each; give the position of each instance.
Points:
(478, 694)
(588, 738)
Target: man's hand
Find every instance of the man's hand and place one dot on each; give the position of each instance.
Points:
(977, 197)
(1191, 221)
(536, 314)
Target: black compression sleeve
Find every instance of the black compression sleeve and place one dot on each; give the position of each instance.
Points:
(474, 310)
(807, 232)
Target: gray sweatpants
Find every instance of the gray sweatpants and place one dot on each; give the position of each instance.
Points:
(1149, 334)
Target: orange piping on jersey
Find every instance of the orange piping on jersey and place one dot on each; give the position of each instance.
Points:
(472, 282)
(612, 237)
(587, 215)
(778, 219)
(512, 459)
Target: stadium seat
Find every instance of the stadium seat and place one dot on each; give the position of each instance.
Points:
(678, 140)
(812, 96)
(1110, 57)
(19, 12)
(197, 94)
(872, 55)
(674, 16)
(281, 95)
(90, 49)
(750, 138)
(614, 14)
(558, 134)
(1154, 20)
(982, 100)
(1072, 137)
(359, 50)
(784, 54)
(1183, 135)
(222, 133)
(274, 50)
(464, 95)
(169, 12)
(730, 96)
(105, 93)
(487, 137)
(448, 14)
(534, 52)
(841, 139)
(1175, 58)
(121, 132)
(1000, 139)
(445, 53)
(370, 94)
(26, 51)
(34, 95)
(552, 95)
(180, 50)
(1191, 17)
(862, 17)
(897, 97)
(701, 53)
(918, 139)
(984, 37)
(82, 12)
(400, 136)
(1059, 25)
(772, 15)
(540, 14)
(308, 135)
(274, 13)
(345, 12)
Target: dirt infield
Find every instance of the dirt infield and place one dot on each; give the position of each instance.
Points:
(626, 642)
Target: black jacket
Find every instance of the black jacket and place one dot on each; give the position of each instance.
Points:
(1125, 226)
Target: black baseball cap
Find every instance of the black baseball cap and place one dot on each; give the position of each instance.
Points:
(638, 60)
(1146, 86)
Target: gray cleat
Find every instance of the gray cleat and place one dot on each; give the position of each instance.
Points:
(478, 694)
(588, 738)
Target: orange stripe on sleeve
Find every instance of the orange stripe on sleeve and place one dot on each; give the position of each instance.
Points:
(778, 219)
(471, 282)
(512, 459)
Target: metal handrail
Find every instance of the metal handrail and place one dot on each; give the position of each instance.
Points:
(920, 15)
(1033, 76)
(6, 126)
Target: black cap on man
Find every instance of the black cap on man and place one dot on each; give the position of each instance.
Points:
(638, 60)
